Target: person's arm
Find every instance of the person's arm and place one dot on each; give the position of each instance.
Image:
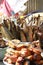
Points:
(30, 57)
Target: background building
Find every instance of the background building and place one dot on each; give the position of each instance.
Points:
(33, 5)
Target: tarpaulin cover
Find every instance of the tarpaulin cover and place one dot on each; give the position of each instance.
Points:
(9, 7)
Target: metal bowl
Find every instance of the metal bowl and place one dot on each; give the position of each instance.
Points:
(6, 63)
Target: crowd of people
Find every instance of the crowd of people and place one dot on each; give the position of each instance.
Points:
(26, 32)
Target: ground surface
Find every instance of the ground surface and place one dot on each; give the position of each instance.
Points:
(1, 63)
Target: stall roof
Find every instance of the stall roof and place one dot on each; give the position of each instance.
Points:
(37, 11)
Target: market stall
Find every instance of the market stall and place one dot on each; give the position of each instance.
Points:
(21, 36)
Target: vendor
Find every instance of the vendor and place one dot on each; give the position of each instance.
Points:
(40, 35)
